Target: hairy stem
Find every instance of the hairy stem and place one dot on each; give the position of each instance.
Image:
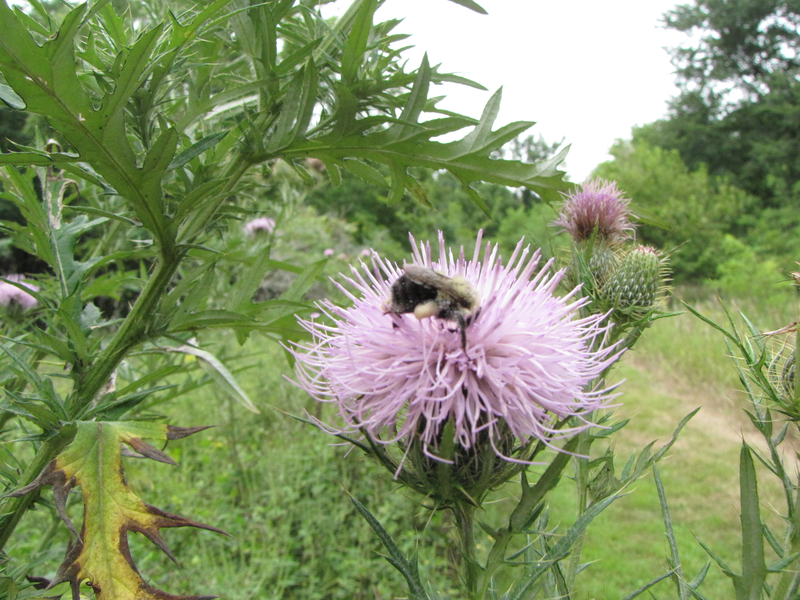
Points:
(789, 581)
(582, 488)
(470, 568)
(136, 328)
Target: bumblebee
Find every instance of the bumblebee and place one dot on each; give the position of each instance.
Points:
(426, 293)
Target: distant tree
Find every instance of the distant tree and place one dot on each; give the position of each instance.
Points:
(738, 111)
(743, 48)
(378, 220)
(756, 146)
(530, 149)
(699, 209)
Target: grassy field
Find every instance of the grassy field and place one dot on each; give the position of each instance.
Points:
(279, 487)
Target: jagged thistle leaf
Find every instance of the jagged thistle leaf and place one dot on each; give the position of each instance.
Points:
(99, 555)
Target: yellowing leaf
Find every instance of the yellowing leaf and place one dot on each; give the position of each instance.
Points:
(99, 555)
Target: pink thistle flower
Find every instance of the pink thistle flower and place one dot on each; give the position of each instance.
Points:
(599, 205)
(12, 296)
(328, 252)
(260, 225)
(529, 360)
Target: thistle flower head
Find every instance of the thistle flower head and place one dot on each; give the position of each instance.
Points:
(14, 298)
(599, 205)
(528, 361)
(261, 225)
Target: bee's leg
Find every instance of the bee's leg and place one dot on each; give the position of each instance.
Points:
(397, 320)
(462, 325)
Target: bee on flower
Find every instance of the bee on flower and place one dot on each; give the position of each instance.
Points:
(449, 389)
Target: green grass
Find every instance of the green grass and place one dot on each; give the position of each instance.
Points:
(679, 365)
(279, 487)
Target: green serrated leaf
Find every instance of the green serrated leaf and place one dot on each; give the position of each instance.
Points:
(303, 282)
(10, 97)
(298, 108)
(196, 150)
(357, 39)
(474, 6)
(414, 106)
(467, 159)
(674, 557)
(782, 564)
(647, 586)
(99, 554)
(532, 496)
(754, 568)
(55, 346)
(364, 171)
(32, 411)
(563, 546)
(246, 285)
(648, 217)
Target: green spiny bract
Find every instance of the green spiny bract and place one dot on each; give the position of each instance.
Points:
(591, 266)
(781, 372)
(602, 264)
(788, 374)
(635, 284)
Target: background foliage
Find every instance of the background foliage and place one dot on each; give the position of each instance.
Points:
(734, 123)
(173, 124)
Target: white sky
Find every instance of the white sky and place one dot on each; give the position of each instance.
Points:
(587, 70)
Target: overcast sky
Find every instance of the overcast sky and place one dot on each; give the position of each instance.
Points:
(586, 70)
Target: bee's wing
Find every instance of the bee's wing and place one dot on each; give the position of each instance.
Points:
(432, 279)
(426, 276)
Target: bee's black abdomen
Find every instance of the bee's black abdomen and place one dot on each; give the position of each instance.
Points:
(407, 294)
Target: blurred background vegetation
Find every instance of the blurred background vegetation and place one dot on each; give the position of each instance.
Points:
(722, 170)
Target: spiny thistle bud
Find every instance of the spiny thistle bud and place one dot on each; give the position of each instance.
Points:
(788, 374)
(603, 262)
(781, 370)
(599, 207)
(635, 284)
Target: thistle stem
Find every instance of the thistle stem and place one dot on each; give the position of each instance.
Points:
(789, 581)
(582, 486)
(470, 568)
(136, 328)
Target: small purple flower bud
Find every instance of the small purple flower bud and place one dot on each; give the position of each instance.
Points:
(14, 298)
(262, 225)
(598, 206)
